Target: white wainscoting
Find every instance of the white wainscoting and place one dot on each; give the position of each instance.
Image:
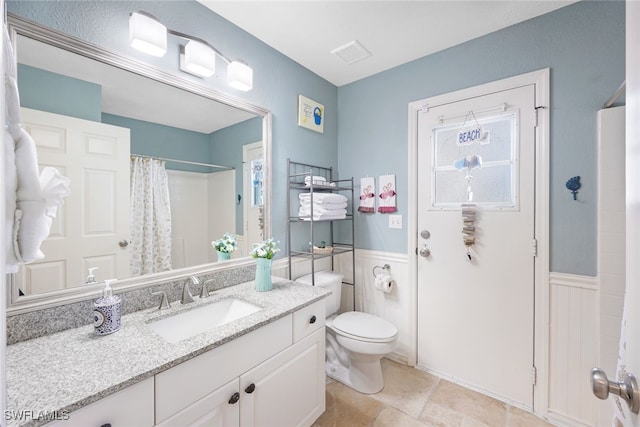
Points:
(573, 348)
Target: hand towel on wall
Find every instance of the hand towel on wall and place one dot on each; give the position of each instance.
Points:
(367, 195)
(387, 189)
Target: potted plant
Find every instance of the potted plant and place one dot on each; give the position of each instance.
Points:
(225, 246)
(264, 253)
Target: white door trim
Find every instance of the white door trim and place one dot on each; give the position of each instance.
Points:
(540, 79)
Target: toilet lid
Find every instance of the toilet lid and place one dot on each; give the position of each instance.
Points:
(364, 325)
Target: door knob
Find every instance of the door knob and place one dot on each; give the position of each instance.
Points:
(425, 252)
(627, 389)
(123, 243)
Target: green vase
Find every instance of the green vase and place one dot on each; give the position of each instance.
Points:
(263, 275)
(223, 256)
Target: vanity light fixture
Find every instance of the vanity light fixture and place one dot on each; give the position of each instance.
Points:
(197, 57)
(240, 76)
(147, 34)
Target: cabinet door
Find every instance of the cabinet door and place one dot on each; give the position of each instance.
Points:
(217, 409)
(288, 389)
(132, 406)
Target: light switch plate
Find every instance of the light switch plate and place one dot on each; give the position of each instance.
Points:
(395, 221)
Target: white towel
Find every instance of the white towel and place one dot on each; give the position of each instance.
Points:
(316, 179)
(329, 215)
(31, 198)
(322, 198)
(306, 211)
(324, 205)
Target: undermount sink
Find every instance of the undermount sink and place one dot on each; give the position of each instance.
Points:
(197, 320)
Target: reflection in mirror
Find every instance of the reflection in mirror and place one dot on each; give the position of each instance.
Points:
(158, 171)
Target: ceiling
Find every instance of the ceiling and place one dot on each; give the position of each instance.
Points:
(394, 32)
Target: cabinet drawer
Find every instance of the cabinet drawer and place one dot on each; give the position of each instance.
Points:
(308, 319)
(132, 406)
(180, 386)
(215, 409)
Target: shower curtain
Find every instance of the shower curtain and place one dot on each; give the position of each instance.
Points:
(150, 219)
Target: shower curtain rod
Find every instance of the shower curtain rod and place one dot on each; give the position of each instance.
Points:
(184, 161)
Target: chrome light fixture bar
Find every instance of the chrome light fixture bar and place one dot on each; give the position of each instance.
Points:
(197, 57)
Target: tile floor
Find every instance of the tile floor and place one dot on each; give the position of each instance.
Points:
(412, 398)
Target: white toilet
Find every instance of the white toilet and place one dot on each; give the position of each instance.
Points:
(355, 341)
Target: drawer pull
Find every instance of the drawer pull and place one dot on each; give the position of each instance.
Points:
(106, 425)
(234, 399)
(313, 319)
(250, 389)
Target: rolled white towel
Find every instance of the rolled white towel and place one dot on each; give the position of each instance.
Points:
(316, 179)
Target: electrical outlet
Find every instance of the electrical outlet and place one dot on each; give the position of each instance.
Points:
(395, 221)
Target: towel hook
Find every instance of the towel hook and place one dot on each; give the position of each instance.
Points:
(385, 267)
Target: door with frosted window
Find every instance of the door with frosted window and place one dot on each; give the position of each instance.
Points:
(476, 175)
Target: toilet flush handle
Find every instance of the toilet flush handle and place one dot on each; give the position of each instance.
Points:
(313, 319)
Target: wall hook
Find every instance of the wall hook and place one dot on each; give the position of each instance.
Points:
(573, 185)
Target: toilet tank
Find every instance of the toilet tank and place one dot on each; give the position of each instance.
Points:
(331, 281)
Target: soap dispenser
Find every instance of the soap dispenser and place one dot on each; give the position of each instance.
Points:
(106, 311)
(91, 277)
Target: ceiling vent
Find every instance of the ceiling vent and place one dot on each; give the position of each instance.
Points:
(351, 52)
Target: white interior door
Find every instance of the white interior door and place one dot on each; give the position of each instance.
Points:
(252, 159)
(476, 302)
(95, 217)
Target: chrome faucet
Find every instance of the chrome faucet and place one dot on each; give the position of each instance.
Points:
(186, 293)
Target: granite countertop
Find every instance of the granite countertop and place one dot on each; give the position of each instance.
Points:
(73, 368)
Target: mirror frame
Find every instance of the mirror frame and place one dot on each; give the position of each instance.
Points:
(23, 304)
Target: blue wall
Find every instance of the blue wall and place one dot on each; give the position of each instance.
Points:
(55, 93)
(583, 44)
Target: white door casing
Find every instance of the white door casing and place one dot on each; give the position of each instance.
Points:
(631, 329)
(252, 231)
(443, 255)
(95, 216)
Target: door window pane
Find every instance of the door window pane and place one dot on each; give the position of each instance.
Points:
(457, 150)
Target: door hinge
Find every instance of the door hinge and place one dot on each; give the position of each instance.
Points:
(534, 375)
(534, 247)
(535, 115)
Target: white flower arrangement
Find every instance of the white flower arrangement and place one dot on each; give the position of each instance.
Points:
(266, 249)
(225, 245)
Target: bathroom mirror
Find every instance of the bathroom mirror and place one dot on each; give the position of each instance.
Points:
(216, 151)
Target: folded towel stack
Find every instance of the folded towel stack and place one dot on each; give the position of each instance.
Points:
(326, 206)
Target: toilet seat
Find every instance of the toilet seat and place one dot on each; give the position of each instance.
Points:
(364, 327)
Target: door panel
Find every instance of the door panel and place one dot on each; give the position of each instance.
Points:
(475, 303)
(95, 216)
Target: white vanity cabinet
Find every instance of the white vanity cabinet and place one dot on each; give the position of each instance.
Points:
(273, 376)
